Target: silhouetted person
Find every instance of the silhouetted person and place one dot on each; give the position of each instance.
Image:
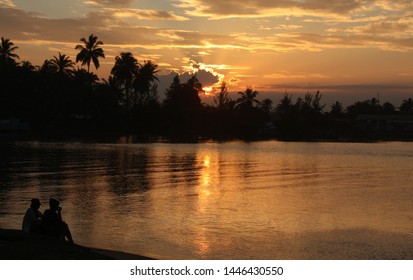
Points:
(32, 218)
(53, 223)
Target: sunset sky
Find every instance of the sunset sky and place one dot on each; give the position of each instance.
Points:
(347, 49)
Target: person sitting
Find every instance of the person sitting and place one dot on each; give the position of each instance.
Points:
(32, 218)
(53, 223)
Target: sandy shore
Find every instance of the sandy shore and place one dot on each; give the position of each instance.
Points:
(15, 245)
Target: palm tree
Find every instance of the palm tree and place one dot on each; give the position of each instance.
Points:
(125, 69)
(63, 65)
(144, 79)
(47, 68)
(6, 50)
(247, 99)
(83, 77)
(90, 52)
(27, 66)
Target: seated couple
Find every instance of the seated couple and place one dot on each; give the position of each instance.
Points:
(50, 223)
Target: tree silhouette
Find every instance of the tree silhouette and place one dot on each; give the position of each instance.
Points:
(266, 106)
(285, 105)
(90, 52)
(57, 98)
(27, 66)
(125, 69)
(183, 106)
(222, 100)
(407, 106)
(172, 93)
(336, 109)
(316, 103)
(371, 106)
(388, 108)
(47, 68)
(63, 65)
(191, 90)
(183, 97)
(247, 99)
(7, 49)
(144, 78)
(85, 78)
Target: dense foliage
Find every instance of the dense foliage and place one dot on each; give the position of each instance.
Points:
(60, 98)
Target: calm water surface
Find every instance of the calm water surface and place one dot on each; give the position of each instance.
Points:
(209, 200)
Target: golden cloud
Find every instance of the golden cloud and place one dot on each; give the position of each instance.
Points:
(108, 3)
(7, 3)
(146, 14)
(217, 9)
(288, 75)
(400, 27)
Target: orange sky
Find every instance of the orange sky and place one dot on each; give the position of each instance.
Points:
(355, 48)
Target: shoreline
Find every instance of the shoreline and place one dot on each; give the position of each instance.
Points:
(16, 245)
(347, 244)
(139, 139)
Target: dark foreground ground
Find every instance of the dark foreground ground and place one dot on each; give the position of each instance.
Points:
(15, 245)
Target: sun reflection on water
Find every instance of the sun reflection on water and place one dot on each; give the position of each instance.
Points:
(202, 242)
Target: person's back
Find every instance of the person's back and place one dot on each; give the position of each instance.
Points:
(53, 223)
(31, 219)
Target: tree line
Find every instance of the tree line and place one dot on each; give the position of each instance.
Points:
(59, 97)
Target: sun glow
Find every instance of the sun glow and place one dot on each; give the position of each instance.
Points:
(207, 90)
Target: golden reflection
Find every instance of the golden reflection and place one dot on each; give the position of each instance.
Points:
(205, 193)
(205, 178)
(206, 161)
(202, 242)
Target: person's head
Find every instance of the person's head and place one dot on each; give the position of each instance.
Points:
(35, 203)
(54, 204)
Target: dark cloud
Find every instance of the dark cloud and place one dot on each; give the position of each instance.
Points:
(21, 25)
(205, 78)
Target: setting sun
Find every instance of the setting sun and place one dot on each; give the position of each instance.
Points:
(207, 90)
(206, 130)
(344, 50)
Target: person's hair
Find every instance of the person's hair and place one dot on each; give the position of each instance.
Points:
(35, 202)
(54, 203)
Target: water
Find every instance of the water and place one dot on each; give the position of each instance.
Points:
(211, 200)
